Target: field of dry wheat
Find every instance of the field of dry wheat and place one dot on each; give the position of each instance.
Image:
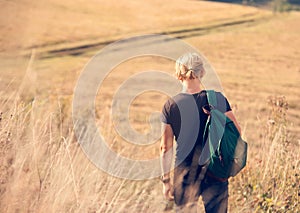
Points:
(44, 47)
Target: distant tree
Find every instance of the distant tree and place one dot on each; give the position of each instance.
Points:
(281, 6)
(275, 5)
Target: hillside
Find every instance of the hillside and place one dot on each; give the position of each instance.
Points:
(44, 47)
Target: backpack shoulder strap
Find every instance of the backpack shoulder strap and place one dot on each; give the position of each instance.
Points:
(211, 98)
(216, 123)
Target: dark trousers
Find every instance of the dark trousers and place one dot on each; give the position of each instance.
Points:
(214, 194)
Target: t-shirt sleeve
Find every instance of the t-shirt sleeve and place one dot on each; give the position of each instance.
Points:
(223, 104)
(165, 115)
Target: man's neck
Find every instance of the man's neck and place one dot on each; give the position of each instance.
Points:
(191, 86)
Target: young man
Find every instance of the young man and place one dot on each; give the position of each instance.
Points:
(184, 119)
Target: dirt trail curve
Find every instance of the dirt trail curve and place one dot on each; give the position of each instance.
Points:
(223, 25)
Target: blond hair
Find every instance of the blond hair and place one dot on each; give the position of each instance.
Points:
(189, 66)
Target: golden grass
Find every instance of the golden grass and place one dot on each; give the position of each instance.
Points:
(28, 24)
(42, 165)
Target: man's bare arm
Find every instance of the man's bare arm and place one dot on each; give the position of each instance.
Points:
(230, 115)
(166, 150)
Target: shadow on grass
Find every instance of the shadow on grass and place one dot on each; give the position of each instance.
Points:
(256, 2)
(296, 2)
(245, 2)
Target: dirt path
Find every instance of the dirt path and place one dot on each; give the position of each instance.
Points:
(183, 33)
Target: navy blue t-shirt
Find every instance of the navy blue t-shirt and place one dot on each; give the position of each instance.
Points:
(184, 112)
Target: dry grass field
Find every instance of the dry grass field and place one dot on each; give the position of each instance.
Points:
(44, 46)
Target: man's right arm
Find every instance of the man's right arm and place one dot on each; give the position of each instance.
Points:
(166, 151)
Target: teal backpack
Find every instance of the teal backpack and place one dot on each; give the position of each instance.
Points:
(227, 151)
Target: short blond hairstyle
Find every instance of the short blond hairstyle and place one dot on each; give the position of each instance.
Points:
(189, 66)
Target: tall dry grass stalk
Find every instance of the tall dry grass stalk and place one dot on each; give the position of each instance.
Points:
(43, 167)
(270, 182)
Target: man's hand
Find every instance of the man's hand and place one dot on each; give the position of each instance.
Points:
(168, 191)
